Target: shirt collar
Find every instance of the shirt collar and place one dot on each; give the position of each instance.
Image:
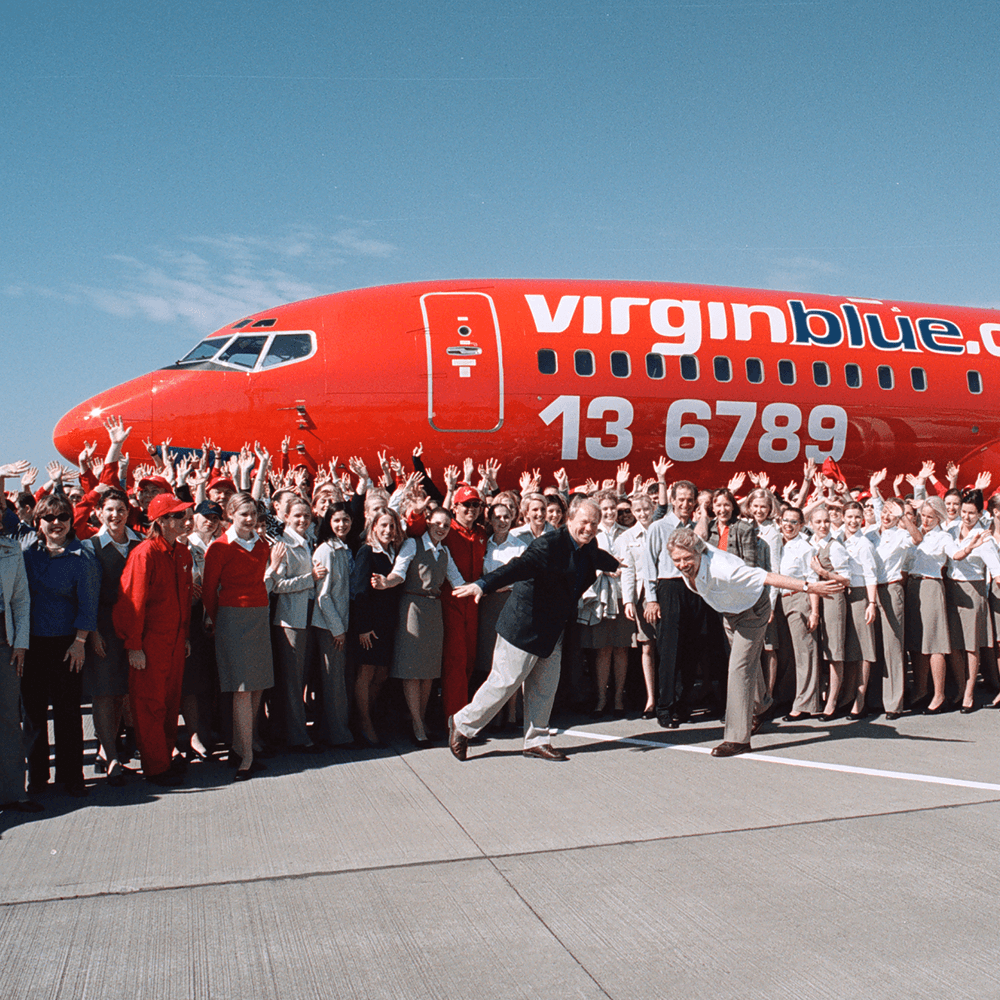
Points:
(232, 537)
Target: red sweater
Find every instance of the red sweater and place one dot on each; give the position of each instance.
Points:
(154, 597)
(234, 578)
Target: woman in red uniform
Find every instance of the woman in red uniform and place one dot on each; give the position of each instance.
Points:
(152, 616)
(235, 597)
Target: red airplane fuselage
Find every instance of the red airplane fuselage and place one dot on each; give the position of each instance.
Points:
(585, 375)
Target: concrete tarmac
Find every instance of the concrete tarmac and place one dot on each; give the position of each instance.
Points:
(850, 859)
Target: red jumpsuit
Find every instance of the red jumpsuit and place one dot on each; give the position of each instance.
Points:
(153, 613)
(461, 617)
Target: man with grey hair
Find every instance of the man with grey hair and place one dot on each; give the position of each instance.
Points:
(738, 592)
(549, 578)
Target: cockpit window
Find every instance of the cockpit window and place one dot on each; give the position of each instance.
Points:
(287, 347)
(243, 352)
(205, 350)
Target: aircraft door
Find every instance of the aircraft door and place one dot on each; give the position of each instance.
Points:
(464, 361)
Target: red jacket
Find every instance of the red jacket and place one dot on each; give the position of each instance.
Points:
(234, 578)
(154, 597)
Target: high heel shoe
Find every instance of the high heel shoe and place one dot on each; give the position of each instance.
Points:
(940, 710)
(967, 709)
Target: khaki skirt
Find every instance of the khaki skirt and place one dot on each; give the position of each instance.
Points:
(419, 639)
(616, 632)
(926, 617)
(243, 649)
(967, 614)
(833, 628)
(860, 640)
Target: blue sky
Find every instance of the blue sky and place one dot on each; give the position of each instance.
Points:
(167, 169)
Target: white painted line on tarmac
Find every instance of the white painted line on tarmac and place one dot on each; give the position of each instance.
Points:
(763, 757)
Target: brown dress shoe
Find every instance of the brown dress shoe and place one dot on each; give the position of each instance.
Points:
(546, 751)
(459, 744)
(758, 721)
(730, 749)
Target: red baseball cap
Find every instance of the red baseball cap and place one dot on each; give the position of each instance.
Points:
(155, 481)
(465, 493)
(165, 503)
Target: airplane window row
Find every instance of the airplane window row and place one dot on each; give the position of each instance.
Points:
(253, 352)
(584, 363)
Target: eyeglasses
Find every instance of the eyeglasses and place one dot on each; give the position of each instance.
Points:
(49, 518)
(794, 523)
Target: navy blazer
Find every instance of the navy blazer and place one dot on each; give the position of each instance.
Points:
(547, 589)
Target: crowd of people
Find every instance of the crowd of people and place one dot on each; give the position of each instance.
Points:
(273, 608)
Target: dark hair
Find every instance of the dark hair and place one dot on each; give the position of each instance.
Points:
(954, 492)
(975, 497)
(324, 531)
(683, 484)
(797, 510)
(854, 505)
(25, 499)
(728, 494)
(994, 504)
(113, 494)
(54, 503)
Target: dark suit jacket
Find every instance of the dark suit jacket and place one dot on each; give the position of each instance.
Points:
(547, 588)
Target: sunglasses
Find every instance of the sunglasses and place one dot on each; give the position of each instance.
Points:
(472, 504)
(49, 518)
(178, 515)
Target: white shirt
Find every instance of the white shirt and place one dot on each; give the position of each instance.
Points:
(122, 548)
(839, 559)
(928, 558)
(292, 581)
(525, 532)
(246, 543)
(657, 564)
(409, 550)
(796, 559)
(862, 554)
(973, 566)
(499, 555)
(631, 546)
(726, 582)
(892, 546)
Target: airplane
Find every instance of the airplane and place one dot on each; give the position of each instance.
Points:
(584, 375)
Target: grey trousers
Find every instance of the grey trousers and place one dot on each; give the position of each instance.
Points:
(12, 760)
(795, 608)
(891, 602)
(333, 690)
(511, 668)
(746, 692)
(289, 684)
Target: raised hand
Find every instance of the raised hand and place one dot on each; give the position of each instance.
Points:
(926, 471)
(737, 481)
(621, 477)
(451, 478)
(562, 480)
(468, 467)
(660, 467)
(897, 482)
(117, 431)
(983, 480)
(28, 477)
(14, 469)
(419, 450)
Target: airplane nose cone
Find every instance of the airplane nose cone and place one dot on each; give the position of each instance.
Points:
(131, 401)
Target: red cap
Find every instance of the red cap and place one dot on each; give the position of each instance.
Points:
(221, 481)
(465, 493)
(165, 503)
(155, 481)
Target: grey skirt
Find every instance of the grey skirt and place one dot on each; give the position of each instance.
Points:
(926, 618)
(860, 641)
(419, 639)
(107, 676)
(967, 614)
(995, 611)
(616, 632)
(833, 628)
(243, 649)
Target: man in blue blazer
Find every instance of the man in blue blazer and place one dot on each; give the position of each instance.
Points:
(548, 580)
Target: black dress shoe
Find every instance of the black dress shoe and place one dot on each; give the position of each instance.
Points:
(728, 749)
(892, 716)
(650, 713)
(457, 742)
(920, 704)
(940, 710)
(857, 716)
(801, 717)
(243, 774)
(967, 709)
(546, 751)
(599, 713)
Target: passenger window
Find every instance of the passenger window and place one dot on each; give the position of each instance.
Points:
(547, 362)
(655, 367)
(821, 374)
(885, 377)
(918, 379)
(243, 351)
(287, 347)
(689, 367)
(852, 376)
(975, 381)
(205, 350)
(583, 362)
(621, 365)
(723, 369)
(755, 371)
(786, 372)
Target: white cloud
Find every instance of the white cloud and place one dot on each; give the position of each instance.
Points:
(212, 280)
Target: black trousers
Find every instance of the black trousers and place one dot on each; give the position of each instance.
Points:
(681, 629)
(48, 681)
